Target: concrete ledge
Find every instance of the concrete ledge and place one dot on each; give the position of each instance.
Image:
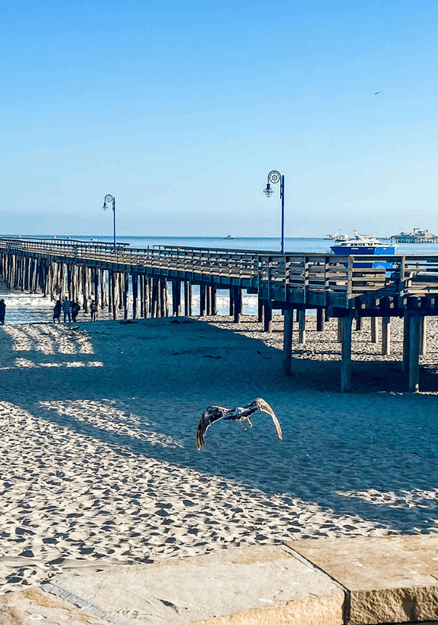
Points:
(361, 581)
(256, 585)
(389, 580)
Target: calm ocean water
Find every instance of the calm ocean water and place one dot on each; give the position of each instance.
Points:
(310, 245)
(23, 307)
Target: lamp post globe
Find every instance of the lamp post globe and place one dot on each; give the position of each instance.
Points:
(274, 177)
(108, 199)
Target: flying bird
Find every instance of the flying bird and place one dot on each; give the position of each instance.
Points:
(377, 92)
(241, 414)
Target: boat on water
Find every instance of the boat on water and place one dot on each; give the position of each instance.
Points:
(338, 237)
(228, 237)
(364, 244)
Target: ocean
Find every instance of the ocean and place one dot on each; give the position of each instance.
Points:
(24, 307)
(298, 244)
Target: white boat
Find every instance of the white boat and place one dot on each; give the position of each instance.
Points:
(229, 236)
(338, 237)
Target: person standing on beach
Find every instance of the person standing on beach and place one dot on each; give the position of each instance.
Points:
(57, 312)
(93, 310)
(75, 308)
(2, 311)
(66, 309)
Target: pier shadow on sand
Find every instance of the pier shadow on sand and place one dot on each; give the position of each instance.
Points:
(372, 453)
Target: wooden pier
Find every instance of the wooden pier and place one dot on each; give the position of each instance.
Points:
(348, 288)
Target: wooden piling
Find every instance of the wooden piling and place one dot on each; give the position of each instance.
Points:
(406, 342)
(320, 320)
(302, 327)
(231, 301)
(423, 336)
(202, 301)
(237, 297)
(346, 323)
(287, 340)
(126, 277)
(414, 352)
(187, 299)
(374, 329)
(134, 278)
(386, 336)
(267, 317)
(214, 308)
(260, 310)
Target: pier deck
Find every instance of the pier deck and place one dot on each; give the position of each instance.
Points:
(343, 287)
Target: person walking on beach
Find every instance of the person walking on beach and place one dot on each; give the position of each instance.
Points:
(66, 309)
(93, 310)
(75, 308)
(2, 311)
(57, 312)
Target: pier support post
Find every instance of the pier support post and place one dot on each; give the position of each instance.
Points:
(423, 336)
(406, 342)
(202, 302)
(287, 340)
(187, 299)
(125, 295)
(134, 295)
(231, 301)
(374, 330)
(320, 320)
(302, 326)
(176, 298)
(346, 324)
(214, 309)
(260, 310)
(267, 317)
(386, 336)
(237, 297)
(358, 324)
(96, 288)
(414, 352)
(113, 292)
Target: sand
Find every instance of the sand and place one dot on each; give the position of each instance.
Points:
(99, 461)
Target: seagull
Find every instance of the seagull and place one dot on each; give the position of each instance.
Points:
(241, 414)
(377, 92)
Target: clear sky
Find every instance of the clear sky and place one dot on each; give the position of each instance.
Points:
(181, 108)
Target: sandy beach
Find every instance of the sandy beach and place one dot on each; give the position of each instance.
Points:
(99, 461)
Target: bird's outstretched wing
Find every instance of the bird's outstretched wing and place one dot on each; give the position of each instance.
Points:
(209, 416)
(265, 407)
(377, 92)
(241, 414)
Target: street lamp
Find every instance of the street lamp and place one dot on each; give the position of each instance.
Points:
(274, 177)
(111, 198)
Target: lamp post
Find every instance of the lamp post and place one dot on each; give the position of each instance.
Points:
(111, 198)
(274, 176)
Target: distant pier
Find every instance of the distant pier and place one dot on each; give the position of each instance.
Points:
(160, 281)
(416, 236)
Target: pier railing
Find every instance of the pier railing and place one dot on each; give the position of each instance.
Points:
(306, 276)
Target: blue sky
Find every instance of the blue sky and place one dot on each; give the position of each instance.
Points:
(180, 110)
